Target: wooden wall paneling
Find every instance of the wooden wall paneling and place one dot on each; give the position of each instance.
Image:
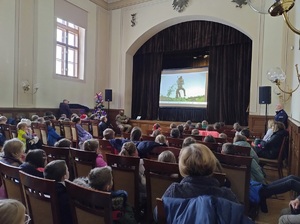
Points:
(257, 123)
(294, 146)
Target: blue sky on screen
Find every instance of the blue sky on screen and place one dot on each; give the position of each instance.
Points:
(194, 83)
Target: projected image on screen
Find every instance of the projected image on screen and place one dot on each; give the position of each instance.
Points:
(183, 88)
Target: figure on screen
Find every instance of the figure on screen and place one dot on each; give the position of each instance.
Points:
(180, 83)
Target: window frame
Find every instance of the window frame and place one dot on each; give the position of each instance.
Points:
(66, 30)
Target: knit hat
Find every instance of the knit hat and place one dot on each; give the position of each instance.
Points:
(83, 117)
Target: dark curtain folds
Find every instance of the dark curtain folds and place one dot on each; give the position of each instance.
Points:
(145, 85)
(229, 83)
(229, 70)
(182, 114)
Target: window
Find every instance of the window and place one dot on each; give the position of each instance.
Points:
(69, 49)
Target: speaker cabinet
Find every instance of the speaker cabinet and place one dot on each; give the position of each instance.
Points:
(108, 95)
(265, 95)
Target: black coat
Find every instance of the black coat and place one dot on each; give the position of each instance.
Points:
(271, 148)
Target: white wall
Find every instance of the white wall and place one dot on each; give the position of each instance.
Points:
(294, 58)
(7, 49)
(156, 15)
(112, 42)
(29, 26)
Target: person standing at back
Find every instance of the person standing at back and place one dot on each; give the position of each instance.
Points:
(64, 108)
(281, 115)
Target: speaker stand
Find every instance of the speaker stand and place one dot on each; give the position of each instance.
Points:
(266, 121)
(108, 112)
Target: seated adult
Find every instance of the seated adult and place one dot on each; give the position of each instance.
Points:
(209, 131)
(270, 149)
(237, 128)
(64, 108)
(197, 164)
(180, 129)
(204, 209)
(166, 157)
(256, 171)
(136, 134)
(12, 212)
(291, 215)
(188, 141)
(103, 125)
(13, 152)
(122, 122)
(281, 115)
(209, 138)
(204, 124)
(162, 140)
(35, 162)
(175, 133)
(156, 132)
(195, 132)
(269, 131)
(280, 186)
(217, 127)
(241, 140)
(57, 170)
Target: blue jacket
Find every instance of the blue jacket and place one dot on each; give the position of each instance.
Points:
(271, 148)
(204, 209)
(52, 136)
(282, 117)
(143, 147)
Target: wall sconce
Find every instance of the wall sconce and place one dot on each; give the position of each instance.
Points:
(276, 75)
(280, 7)
(26, 87)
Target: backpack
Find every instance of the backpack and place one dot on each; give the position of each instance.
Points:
(121, 211)
(254, 190)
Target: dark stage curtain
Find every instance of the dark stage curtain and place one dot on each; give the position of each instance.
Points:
(182, 114)
(229, 70)
(145, 86)
(229, 83)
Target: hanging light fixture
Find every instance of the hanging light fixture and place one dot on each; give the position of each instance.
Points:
(275, 8)
(277, 76)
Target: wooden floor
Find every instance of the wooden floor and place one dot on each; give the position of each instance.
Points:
(275, 205)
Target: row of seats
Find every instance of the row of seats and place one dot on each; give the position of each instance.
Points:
(126, 174)
(40, 198)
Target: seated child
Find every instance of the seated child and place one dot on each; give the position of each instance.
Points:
(156, 133)
(83, 135)
(63, 143)
(35, 161)
(13, 152)
(101, 179)
(166, 157)
(57, 170)
(162, 140)
(3, 121)
(188, 141)
(53, 137)
(129, 149)
(25, 135)
(92, 145)
(108, 134)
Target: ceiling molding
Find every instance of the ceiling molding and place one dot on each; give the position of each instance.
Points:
(117, 4)
(101, 3)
